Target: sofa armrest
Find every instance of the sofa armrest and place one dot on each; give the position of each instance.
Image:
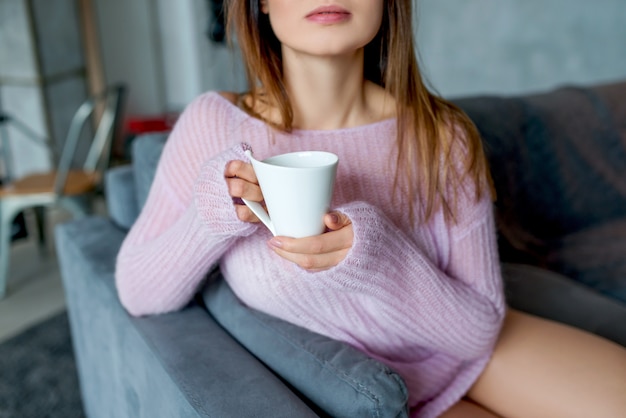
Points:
(181, 364)
(121, 193)
(146, 151)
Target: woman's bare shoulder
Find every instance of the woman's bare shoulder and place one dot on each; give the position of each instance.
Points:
(230, 96)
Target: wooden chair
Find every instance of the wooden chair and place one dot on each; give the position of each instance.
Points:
(67, 185)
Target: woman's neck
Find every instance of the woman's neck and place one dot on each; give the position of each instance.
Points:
(331, 93)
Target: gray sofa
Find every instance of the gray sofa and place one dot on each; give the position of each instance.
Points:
(559, 165)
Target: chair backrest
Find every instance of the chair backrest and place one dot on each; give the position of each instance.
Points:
(111, 104)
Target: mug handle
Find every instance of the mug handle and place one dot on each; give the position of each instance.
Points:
(260, 212)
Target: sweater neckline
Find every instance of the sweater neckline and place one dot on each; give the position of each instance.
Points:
(381, 124)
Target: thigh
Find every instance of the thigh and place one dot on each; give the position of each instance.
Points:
(541, 368)
(465, 409)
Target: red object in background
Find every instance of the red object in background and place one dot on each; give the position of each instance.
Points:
(136, 125)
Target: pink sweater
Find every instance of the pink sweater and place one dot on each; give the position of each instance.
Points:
(426, 300)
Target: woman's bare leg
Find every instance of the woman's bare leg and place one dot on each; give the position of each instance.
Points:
(465, 409)
(542, 368)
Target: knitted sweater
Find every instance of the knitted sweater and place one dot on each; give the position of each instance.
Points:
(425, 299)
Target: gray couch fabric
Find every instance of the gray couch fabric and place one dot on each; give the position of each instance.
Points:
(146, 153)
(120, 182)
(551, 295)
(338, 378)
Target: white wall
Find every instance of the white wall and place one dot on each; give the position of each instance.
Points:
(192, 63)
(160, 49)
(181, 62)
(129, 52)
(512, 46)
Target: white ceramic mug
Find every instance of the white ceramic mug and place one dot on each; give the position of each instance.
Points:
(297, 188)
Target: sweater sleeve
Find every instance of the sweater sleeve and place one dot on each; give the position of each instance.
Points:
(458, 311)
(186, 225)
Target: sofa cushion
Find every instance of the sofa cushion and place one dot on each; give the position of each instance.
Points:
(146, 152)
(121, 201)
(342, 381)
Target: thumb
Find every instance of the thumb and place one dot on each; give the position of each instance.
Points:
(336, 220)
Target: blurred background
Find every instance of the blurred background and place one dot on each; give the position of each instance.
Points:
(53, 53)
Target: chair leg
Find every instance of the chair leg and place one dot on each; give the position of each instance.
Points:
(6, 218)
(40, 220)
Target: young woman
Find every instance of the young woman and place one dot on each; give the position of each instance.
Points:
(408, 269)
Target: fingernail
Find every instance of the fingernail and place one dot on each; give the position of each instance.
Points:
(334, 218)
(274, 243)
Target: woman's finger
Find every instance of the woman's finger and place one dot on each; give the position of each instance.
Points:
(242, 183)
(238, 187)
(240, 169)
(316, 253)
(318, 244)
(336, 220)
(313, 262)
(245, 214)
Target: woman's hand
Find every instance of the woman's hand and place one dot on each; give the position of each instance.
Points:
(242, 183)
(320, 252)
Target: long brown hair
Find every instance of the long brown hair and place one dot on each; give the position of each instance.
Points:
(426, 123)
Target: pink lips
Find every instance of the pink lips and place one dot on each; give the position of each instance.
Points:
(328, 14)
